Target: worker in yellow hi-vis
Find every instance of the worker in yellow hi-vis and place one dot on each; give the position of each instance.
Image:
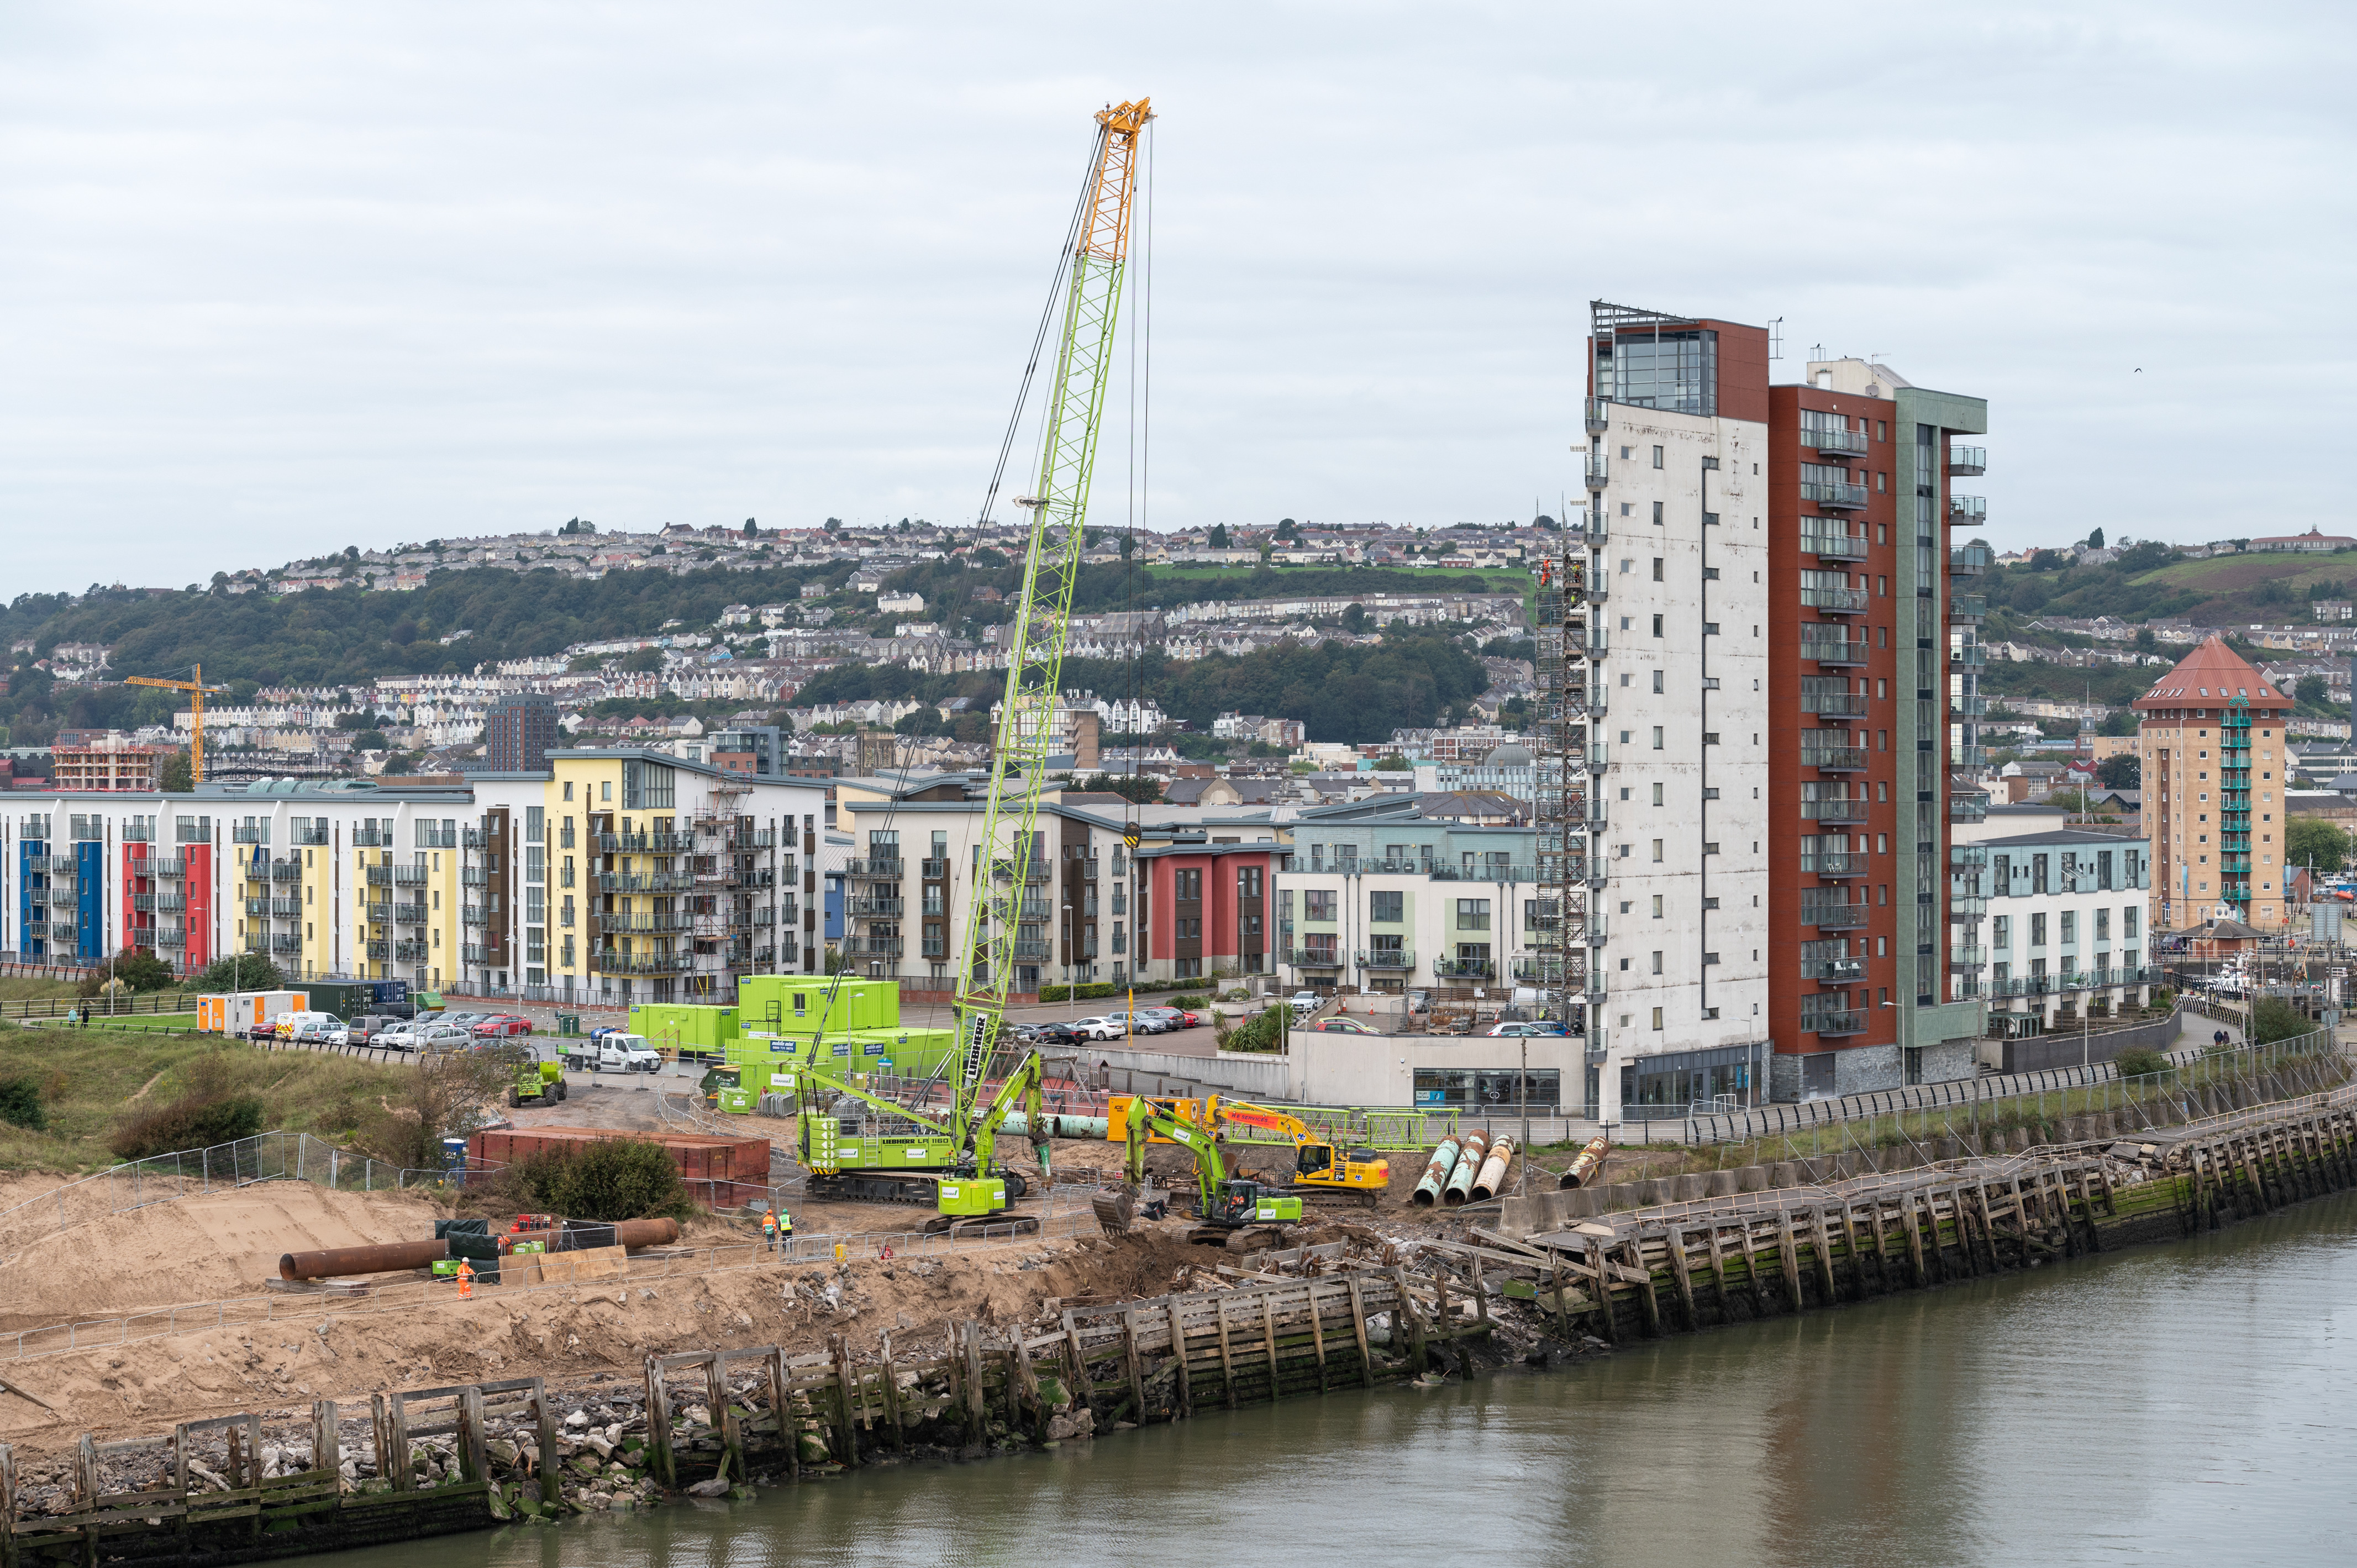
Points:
(466, 1281)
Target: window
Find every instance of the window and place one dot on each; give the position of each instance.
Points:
(1316, 903)
(1657, 1018)
(1657, 852)
(2070, 927)
(2103, 926)
(1657, 680)
(568, 788)
(2038, 931)
(1657, 737)
(1248, 881)
(1657, 915)
(535, 825)
(2128, 918)
(1657, 514)
(1657, 568)
(1472, 913)
(1189, 885)
(1657, 794)
(1386, 908)
(1657, 456)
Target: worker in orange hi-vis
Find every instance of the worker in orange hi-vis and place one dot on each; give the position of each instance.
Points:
(466, 1281)
(770, 1229)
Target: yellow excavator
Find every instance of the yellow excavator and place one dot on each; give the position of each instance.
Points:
(1320, 1171)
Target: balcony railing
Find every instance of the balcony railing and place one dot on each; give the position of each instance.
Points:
(1967, 511)
(1845, 1021)
(1387, 957)
(1830, 546)
(1967, 462)
(1834, 649)
(1311, 957)
(1835, 759)
(1847, 498)
(409, 914)
(474, 876)
(1968, 808)
(1598, 414)
(933, 870)
(1967, 606)
(476, 954)
(875, 946)
(650, 882)
(1971, 560)
(173, 938)
(641, 964)
(1033, 947)
(284, 871)
(876, 909)
(380, 875)
(1967, 957)
(1833, 810)
(1834, 971)
(1839, 601)
(1834, 704)
(1833, 863)
(1598, 471)
(376, 914)
(475, 915)
(1834, 442)
(243, 834)
(409, 952)
(1464, 969)
(1829, 916)
(876, 868)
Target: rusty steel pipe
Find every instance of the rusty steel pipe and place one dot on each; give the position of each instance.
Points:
(1469, 1165)
(1436, 1175)
(1493, 1170)
(394, 1256)
(1584, 1170)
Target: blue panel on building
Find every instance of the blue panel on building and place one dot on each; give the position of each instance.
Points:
(89, 885)
(26, 849)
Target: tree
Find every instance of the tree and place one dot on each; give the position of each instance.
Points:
(1128, 545)
(2125, 771)
(2095, 540)
(177, 776)
(1143, 788)
(1394, 764)
(1218, 538)
(1287, 529)
(1354, 619)
(242, 971)
(751, 527)
(2144, 640)
(2312, 841)
(370, 740)
(2272, 1020)
(834, 525)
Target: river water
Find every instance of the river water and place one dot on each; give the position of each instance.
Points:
(2188, 1403)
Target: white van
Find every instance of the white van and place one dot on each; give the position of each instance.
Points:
(285, 1024)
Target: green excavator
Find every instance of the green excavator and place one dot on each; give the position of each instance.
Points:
(1224, 1203)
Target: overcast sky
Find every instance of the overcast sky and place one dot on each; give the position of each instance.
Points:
(282, 278)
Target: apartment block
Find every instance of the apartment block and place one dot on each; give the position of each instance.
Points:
(2209, 737)
(2069, 923)
(608, 877)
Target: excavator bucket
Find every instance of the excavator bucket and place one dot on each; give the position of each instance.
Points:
(1116, 1211)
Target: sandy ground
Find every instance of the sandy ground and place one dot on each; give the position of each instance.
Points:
(195, 1249)
(563, 1334)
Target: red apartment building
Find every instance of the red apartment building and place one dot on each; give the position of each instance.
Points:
(1205, 908)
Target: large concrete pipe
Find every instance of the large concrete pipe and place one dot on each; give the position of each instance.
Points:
(394, 1256)
(1097, 1127)
(1584, 1170)
(1493, 1170)
(1469, 1165)
(1436, 1175)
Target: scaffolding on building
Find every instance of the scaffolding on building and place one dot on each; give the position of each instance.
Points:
(1565, 805)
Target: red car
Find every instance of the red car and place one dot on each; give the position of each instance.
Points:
(499, 1025)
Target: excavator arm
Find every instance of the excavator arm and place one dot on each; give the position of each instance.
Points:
(1021, 1088)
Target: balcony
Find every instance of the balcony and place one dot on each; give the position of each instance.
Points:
(1464, 969)
(286, 908)
(409, 914)
(1387, 957)
(170, 937)
(1831, 917)
(653, 882)
(1970, 560)
(1833, 810)
(1830, 650)
(286, 871)
(1968, 808)
(1834, 601)
(377, 952)
(876, 947)
(641, 964)
(1834, 704)
(876, 909)
(380, 877)
(1843, 1021)
(1311, 957)
(1599, 757)
(1834, 442)
(933, 870)
(313, 836)
(474, 876)
(1598, 469)
(1598, 414)
(1599, 982)
(1833, 863)
(622, 843)
(876, 868)
(409, 952)
(286, 944)
(1828, 545)
(245, 834)
(1967, 957)
(1967, 906)
(1967, 511)
(475, 915)
(1967, 462)
(369, 838)
(933, 947)
(473, 954)
(472, 838)
(1835, 759)
(1968, 707)
(376, 914)
(1834, 971)
(1033, 947)
(170, 903)
(1841, 497)
(1970, 757)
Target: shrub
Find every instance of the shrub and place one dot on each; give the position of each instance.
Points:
(20, 1104)
(1264, 1033)
(192, 1121)
(2274, 1019)
(1187, 1000)
(1067, 993)
(614, 1178)
(2141, 1062)
(2163, 999)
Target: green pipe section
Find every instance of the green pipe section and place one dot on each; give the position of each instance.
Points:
(1436, 1174)
(1019, 1124)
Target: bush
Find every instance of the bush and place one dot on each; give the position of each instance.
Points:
(2274, 1019)
(1186, 1001)
(614, 1179)
(20, 1104)
(1084, 992)
(2163, 999)
(195, 1121)
(2141, 1062)
(1264, 1033)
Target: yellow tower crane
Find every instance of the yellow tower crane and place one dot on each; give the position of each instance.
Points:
(197, 690)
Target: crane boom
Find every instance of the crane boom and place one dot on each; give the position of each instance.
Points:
(1058, 507)
(197, 690)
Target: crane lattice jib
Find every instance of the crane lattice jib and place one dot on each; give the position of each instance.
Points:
(1059, 508)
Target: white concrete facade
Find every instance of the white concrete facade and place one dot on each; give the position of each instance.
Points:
(1678, 753)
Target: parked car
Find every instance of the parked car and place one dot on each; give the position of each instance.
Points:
(1177, 1017)
(500, 1026)
(1305, 1002)
(1056, 1034)
(1142, 1022)
(1112, 1026)
(1340, 1027)
(1542, 1027)
(365, 1029)
(460, 1020)
(402, 1037)
(331, 1032)
(443, 1038)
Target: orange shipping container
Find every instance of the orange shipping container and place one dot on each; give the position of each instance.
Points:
(699, 1156)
